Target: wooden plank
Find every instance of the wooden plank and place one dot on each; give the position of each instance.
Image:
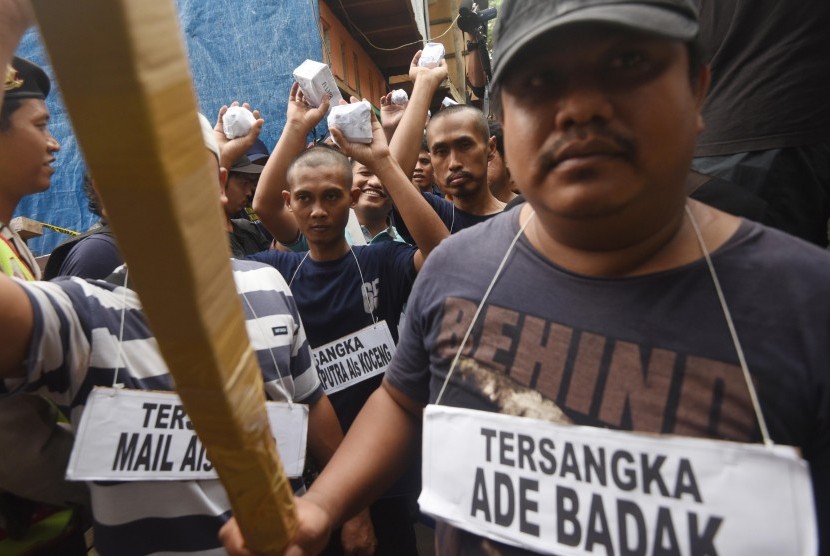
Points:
(124, 76)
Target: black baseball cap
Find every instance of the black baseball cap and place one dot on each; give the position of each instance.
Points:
(521, 22)
(25, 79)
(245, 166)
(258, 153)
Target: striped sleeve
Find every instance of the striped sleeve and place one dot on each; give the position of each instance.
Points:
(60, 348)
(78, 341)
(276, 333)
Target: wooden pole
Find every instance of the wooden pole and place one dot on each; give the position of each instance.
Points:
(123, 72)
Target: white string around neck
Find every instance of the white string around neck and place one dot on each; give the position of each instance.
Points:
(496, 276)
(366, 299)
(721, 299)
(123, 355)
(753, 394)
(121, 352)
(288, 396)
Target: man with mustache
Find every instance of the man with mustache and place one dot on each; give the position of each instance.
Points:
(460, 149)
(33, 468)
(609, 295)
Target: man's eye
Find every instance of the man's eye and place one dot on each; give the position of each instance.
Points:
(541, 79)
(629, 60)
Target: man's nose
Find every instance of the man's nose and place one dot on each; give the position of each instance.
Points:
(318, 211)
(581, 104)
(52, 144)
(454, 160)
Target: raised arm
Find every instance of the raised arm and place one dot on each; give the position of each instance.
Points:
(232, 149)
(268, 202)
(390, 115)
(406, 142)
(423, 222)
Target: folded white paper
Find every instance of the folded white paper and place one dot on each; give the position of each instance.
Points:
(399, 96)
(353, 120)
(431, 55)
(237, 121)
(317, 82)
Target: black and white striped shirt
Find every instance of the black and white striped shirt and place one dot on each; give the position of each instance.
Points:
(75, 348)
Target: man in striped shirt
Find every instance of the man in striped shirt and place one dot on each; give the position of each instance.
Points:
(63, 338)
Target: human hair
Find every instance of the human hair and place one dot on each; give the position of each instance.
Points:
(93, 202)
(424, 145)
(694, 53)
(480, 118)
(321, 156)
(497, 132)
(8, 108)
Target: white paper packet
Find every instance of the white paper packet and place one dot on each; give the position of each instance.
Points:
(238, 121)
(317, 82)
(399, 97)
(353, 120)
(431, 55)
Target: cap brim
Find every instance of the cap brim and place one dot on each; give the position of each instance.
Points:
(638, 17)
(249, 169)
(257, 158)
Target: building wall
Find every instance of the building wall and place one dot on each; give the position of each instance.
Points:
(343, 53)
(442, 13)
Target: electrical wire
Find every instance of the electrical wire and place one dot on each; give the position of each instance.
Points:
(376, 47)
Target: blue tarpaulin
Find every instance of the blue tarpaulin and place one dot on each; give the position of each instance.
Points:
(242, 50)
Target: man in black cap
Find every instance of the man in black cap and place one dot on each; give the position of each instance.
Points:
(33, 468)
(246, 237)
(239, 183)
(27, 151)
(611, 301)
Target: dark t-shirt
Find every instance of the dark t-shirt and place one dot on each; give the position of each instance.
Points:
(649, 353)
(770, 64)
(453, 218)
(93, 257)
(331, 301)
(247, 238)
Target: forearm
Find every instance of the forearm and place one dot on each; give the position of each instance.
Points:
(268, 201)
(389, 130)
(472, 63)
(324, 431)
(405, 145)
(376, 451)
(423, 223)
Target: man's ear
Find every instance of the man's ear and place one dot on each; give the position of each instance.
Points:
(491, 149)
(223, 184)
(286, 198)
(354, 195)
(704, 79)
